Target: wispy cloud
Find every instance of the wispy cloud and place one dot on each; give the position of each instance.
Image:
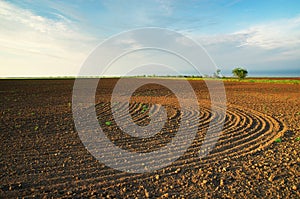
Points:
(165, 6)
(259, 47)
(282, 36)
(284, 33)
(31, 38)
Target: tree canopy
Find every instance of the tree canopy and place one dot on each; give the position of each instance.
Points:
(241, 73)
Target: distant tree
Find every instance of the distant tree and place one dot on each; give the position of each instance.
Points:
(217, 73)
(241, 73)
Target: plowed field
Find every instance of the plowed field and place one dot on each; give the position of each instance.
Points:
(43, 156)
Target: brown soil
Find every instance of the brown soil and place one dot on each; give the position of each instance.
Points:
(42, 156)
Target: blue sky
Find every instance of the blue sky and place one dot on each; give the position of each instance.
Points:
(53, 38)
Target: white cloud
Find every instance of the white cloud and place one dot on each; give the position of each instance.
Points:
(278, 40)
(284, 33)
(279, 34)
(34, 45)
(129, 43)
(165, 6)
(270, 46)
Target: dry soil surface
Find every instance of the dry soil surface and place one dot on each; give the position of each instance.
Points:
(42, 155)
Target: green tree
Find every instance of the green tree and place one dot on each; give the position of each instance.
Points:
(241, 73)
(217, 73)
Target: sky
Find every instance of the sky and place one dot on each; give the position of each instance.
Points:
(54, 38)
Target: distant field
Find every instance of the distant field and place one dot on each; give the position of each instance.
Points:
(290, 80)
(279, 80)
